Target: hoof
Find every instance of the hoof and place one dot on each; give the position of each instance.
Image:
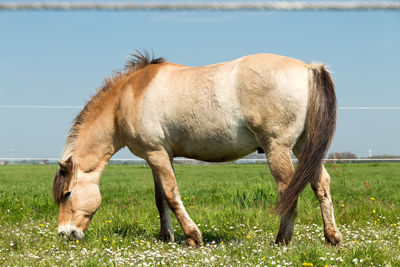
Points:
(333, 237)
(283, 239)
(194, 243)
(167, 236)
(194, 239)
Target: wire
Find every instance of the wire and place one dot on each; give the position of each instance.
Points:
(220, 6)
(38, 107)
(53, 160)
(369, 108)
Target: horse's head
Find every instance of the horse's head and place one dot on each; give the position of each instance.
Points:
(78, 196)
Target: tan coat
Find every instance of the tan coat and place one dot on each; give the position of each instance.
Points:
(214, 113)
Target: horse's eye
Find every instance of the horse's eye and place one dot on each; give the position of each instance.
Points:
(67, 195)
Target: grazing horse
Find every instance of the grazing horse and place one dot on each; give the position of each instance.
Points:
(213, 113)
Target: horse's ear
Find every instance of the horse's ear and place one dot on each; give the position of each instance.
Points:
(63, 165)
(66, 165)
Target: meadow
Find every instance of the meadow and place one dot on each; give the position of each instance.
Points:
(232, 205)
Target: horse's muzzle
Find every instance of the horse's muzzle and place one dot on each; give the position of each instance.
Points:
(70, 231)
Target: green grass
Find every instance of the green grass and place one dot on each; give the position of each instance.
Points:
(232, 204)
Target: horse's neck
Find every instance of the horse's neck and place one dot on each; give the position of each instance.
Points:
(96, 143)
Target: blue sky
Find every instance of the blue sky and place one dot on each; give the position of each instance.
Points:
(60, 58)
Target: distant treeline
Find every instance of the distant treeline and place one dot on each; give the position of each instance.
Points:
(349, 155)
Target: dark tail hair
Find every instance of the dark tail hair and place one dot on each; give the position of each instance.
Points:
(320, 128)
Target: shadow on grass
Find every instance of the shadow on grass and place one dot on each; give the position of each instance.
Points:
(209, 239)
(128, 230)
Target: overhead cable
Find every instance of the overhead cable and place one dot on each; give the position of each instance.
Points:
(217, 6)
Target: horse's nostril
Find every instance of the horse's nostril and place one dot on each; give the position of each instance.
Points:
(60, 234)
(75, 234)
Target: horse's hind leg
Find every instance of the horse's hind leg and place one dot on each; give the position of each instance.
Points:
(321, 187)
(280, 164)
(164, 176)
(166, 232)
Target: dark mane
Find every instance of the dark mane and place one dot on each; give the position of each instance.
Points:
(62, 180)
(59, 180)
(141, 60)
(138, 61)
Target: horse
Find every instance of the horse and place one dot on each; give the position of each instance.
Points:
(213, 113)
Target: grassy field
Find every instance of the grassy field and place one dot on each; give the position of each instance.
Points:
(232, 205)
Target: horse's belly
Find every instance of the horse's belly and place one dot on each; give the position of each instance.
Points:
(216, 145)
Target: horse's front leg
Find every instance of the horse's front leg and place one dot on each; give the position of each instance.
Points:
(166, 232)
(164, 176)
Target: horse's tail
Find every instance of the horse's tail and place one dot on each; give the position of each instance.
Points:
(320, 128)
